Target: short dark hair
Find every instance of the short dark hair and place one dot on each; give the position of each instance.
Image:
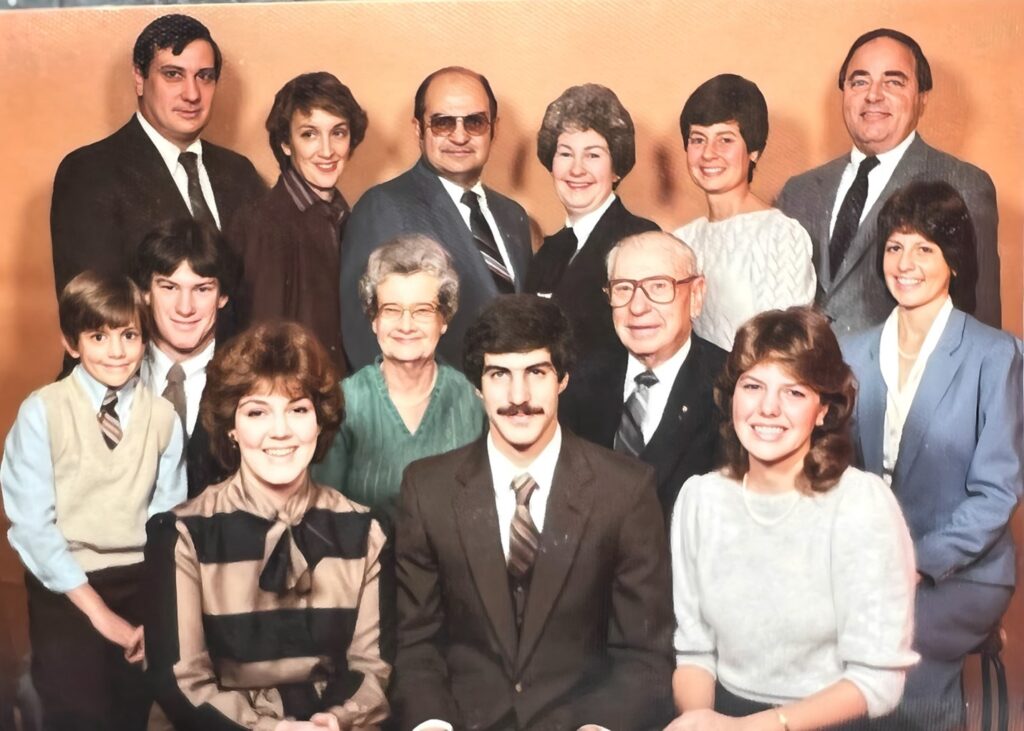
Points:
(801, 341)
(92, 301)
(924, 71)
(936, 211)
(175, 32)
(173, 242)
(589, 106)
(728, 98)
(304, 93)
(275, 354)
(419, 104)
(519, 323)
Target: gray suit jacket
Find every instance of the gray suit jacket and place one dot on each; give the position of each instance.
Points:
(416, 202)
(959, 476)
(857, 298)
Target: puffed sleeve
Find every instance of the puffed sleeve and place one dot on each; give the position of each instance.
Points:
(694, 639)
(873, 585)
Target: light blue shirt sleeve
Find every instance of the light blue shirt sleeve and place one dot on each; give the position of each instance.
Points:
(26, 476)
(171, 484)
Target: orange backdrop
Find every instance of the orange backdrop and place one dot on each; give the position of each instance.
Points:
(65, 81)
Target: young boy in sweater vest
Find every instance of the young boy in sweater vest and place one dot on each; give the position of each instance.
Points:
(87, 461)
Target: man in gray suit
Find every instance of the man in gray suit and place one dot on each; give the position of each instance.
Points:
(884, 81)
(487, 234)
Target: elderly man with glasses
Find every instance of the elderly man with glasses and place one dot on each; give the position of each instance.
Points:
(655, 401)
(455, 117)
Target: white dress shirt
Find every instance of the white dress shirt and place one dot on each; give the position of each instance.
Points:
(456, 192)
(877, 178)
(657, 395)
(585, 224)
(169, 154)
(899, 400)
(154, 370)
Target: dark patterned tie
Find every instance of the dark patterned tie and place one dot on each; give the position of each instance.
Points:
(485, 242)
(175, 392)
(524, 537)
(848, 219)
(110, 424)
(629, 439)
(200, 211)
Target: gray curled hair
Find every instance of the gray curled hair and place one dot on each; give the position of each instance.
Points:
(409, 254)
(589, 106)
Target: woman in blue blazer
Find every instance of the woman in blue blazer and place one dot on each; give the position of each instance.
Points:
(939, 416)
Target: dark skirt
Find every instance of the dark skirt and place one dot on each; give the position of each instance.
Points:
(734, 706)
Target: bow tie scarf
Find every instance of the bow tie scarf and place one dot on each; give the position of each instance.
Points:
(284, 566)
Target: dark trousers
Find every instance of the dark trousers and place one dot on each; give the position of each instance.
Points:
(82, 679)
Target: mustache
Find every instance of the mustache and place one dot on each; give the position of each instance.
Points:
(520, 410)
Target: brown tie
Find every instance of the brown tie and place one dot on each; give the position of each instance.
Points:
(175, 392)
(110, 424)
(200, 211)
(524, 537)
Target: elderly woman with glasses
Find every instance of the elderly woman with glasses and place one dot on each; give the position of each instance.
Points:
(406, 405)
(588, 143)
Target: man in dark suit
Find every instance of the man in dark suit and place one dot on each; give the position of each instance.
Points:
(108, 195)
(487, 234)
(653, 401)
(885, 81)
(533, 579)
(187, 275)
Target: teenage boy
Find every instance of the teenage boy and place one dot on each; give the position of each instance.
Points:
(87, 461)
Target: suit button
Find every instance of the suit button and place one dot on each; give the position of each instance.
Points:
(519, 687)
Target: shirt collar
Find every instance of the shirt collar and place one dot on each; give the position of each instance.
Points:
(160, 363)
(456, 191)
(168, 150)
(305, 197)
(586, 223)
(888, 346)
(666, 372)
(96, 390)
(542, 469)
(886, 160)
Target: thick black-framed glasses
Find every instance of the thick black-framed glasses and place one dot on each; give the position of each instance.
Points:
(476, 124)
(659, 290)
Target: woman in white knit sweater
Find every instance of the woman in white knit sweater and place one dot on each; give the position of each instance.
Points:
(753, 257)
(793, 573)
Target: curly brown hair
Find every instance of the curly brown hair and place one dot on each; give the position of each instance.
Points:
(800, 340)
(275, 354)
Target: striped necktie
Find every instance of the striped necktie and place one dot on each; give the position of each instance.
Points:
(110, 424)
(629, 439)
(200, 210)
(524, 537)
(848, 218)
(484, 238)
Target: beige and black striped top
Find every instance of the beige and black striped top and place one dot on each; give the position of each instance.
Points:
(259, 614)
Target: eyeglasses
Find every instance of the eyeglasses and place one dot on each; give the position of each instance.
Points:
(475, 124)
(420, 312)
(659, 290)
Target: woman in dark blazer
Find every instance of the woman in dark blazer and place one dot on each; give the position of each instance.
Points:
(289, 240)
(939, 416)
(587, 142)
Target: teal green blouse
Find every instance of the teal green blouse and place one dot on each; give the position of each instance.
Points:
(373, 446)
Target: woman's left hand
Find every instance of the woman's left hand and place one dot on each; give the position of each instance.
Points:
(705, 719)
(326, 720)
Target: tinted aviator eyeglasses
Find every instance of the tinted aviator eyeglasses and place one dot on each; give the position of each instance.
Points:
(421, 312)
(476, 124)
(659, 290)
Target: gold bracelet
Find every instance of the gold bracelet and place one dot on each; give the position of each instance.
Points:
(782, 719)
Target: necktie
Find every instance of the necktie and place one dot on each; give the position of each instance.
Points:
(524, 537)
(629, 439)
(175, 392)
(200, 211)
(848, 219)
(484, 239)
(110, 424)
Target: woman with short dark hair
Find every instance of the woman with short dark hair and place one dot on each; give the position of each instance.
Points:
(940, 416)
(752, 256)
(587, 142)
(265, 589)
(793, 572)
(289, 240)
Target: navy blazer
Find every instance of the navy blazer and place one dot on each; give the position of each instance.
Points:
(958, 476)
(416, 202)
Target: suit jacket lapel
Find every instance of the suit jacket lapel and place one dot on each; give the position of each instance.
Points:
(616, 380)
(477, 519)
(871, 399)
(518, 253)
(676, 425)
(568, 506)
(144, 164)
(828, 186)
(942, 366)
